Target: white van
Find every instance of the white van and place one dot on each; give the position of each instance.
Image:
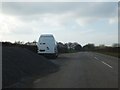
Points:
(47, 45)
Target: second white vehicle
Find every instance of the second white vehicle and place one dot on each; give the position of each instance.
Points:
(47, 45)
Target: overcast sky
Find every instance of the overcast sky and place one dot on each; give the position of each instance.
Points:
(82, 22)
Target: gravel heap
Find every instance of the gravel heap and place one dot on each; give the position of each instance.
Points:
(18, 63)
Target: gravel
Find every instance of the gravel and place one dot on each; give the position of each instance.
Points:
(19, 63)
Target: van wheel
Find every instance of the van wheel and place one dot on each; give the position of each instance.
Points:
(55, 56)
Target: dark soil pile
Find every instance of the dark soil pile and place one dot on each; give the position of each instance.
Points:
(18, 63)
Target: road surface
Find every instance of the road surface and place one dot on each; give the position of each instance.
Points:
(82, 70)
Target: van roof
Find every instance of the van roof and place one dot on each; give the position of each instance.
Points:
(46, 35)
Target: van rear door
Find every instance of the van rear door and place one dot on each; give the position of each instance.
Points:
(42, 46)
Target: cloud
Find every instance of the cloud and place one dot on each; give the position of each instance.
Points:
(8, 23)
(113, 20)
(22, 19)
(56, 12)
(83, 21)
(61, 1)
(99, 9)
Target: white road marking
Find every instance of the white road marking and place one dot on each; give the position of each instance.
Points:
(36, 81)
(96, 58)
(106, 64)
(103, 62)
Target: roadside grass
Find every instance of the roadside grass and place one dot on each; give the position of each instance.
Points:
(115, 54)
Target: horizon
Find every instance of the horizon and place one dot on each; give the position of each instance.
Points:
(22, 42)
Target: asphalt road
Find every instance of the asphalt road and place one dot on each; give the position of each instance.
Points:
(82, 70)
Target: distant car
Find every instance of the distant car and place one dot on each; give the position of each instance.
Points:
(47, 45)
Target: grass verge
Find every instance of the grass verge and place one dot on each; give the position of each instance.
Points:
(115, 54)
